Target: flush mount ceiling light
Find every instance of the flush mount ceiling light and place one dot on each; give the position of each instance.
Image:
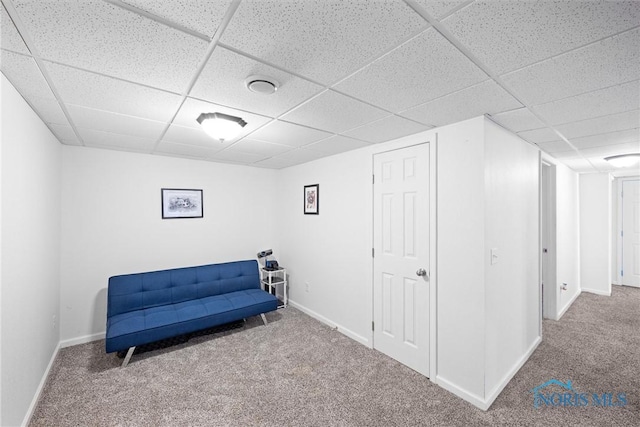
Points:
(221, 126)
(624, 160)
(261, 84)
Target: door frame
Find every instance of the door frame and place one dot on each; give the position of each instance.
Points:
(620, 241)
(551, 297)
(432, 143)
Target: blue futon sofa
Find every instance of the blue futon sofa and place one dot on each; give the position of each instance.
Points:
(147, 307)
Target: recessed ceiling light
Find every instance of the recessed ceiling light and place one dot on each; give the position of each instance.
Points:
(624, 160)
(221, 126)
(261, 84)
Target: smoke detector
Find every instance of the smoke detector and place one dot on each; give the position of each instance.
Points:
(261, 84)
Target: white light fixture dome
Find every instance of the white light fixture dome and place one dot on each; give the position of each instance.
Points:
(262, 85)
(624, 160)
(221, 126)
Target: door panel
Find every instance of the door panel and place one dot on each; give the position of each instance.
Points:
(401, 247)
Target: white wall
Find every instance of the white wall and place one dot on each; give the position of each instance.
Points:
(2, 84)
(595, 233)
(461, 258)
(111, 224)
(30, 227)
(488, 314)
(332, 251)
(567, 236)
(512, 285)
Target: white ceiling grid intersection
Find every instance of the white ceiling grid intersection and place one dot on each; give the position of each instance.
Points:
(134, 75)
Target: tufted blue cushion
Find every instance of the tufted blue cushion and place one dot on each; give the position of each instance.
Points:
(147, 307)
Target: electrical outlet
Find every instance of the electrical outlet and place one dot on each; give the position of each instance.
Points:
(55, 320)
(306, 286)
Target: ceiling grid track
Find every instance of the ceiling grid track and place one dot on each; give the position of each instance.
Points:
(351, 76)
(15, 17)
(159, 19)
(203, 63)
(458, 45)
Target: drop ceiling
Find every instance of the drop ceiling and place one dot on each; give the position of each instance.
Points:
(134, 75)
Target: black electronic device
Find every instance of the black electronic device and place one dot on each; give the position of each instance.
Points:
(265, 253)
(272, 265)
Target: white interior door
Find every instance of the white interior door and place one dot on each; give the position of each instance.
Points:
(631, 233)
(401, 256)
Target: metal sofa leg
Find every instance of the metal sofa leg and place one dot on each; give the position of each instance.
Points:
(264, 319)
(128, 357)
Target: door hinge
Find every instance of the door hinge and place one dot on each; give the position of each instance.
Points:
(621, 233)
(373, 326)
(373, 252)
(373, 179)
(621, 272)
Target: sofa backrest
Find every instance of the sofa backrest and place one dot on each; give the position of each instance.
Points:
(131, 292)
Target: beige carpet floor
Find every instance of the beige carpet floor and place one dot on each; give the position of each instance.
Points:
(299, 372)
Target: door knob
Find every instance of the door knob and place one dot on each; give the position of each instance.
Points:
(421, 272)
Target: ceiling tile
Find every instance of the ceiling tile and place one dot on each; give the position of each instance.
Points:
(438, 9)
(334, 112)
(192, 108)
(609, 62)
(192, 136)
(182, 150)
(555, 146)
(101, 37)
(202, 16)
(104, 93)
(291, 158)
(223, 82)
(49, 110)
(499, 32)
(484, 98)
(607, 150)
(11, 38)
(570, 154)
(337, 144)
(117, 123)
(96, 138)
(579, 165)
(518, 120)
(280, 132)
(538, 136)
(425, 68)
(320, 40)
(231, 155)
(267, 149)
(604, 124)
(386, 129)
(612, 138)
(24, 74)
(612, 100)
(275, 163)
(601, 163)
(65, 133)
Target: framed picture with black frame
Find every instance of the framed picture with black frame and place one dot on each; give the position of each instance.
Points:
(181, 203)
(312, 199)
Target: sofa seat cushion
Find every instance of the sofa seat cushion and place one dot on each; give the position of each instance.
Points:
(233, 303)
